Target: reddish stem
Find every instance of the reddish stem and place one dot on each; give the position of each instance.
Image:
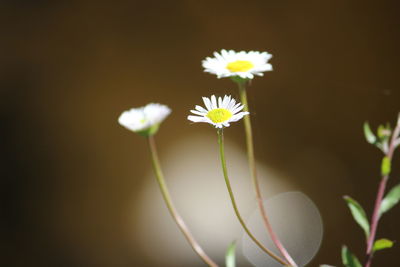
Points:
(375, 220)
(253, 171)
(378, 201)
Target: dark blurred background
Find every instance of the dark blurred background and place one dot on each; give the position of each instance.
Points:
(69, 68)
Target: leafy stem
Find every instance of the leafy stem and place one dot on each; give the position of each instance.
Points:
(381, 191)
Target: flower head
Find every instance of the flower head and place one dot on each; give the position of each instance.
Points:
(218, 113)
(243, 64)
(144, 120)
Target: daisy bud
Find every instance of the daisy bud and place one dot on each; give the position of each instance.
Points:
(144, 120)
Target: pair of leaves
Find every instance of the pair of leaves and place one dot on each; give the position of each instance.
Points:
(372, 139)
(381, 140)
(383, 133)
(349, 259)
(359, 215)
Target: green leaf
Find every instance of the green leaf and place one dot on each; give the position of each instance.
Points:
(369, 135)
(382, 244)
(349, 259)
(390, 200)
(386, 166)
(381, 131)
(230, 255)
(384, 132)
(358, 214)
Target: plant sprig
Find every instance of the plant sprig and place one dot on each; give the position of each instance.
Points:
(387, 140)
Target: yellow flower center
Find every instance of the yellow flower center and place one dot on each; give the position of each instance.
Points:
(239, 66)
(219, 115)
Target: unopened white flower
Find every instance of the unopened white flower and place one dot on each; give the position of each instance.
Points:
(243, 64)
(218, 113)
(144, 119)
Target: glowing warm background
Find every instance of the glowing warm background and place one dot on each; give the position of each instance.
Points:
(73, 181)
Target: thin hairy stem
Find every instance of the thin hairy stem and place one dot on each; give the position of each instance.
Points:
(168, 201)
(233, 201)
(378, 201)
(253, 174)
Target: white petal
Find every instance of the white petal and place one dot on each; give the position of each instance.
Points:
(207, 103)
(196, 118)
(213, 102)
(225, 102)
(237, 109)
(231, 104)
(226, 124)
(238, 116)
(197, 112)
(201, 109)
(266, 67)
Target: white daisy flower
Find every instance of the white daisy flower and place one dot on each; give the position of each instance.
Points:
(144, 119)
(220, 113)
(243, 64)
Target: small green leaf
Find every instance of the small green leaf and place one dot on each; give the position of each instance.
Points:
(382, 244)
(386, 166)
(390, 200)
(358, 214)
(349, 259)
(382, 132)
(369, 135)
(230, 255)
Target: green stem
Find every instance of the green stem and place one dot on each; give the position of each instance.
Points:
(232, 197)
(253, 173)
(168, 201)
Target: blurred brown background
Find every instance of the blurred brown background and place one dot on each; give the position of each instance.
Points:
(69, 68)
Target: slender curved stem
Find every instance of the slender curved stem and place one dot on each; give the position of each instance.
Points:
(378, 201)
(253, 172)
(168, 201)
(374, 220)
(231, 195)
